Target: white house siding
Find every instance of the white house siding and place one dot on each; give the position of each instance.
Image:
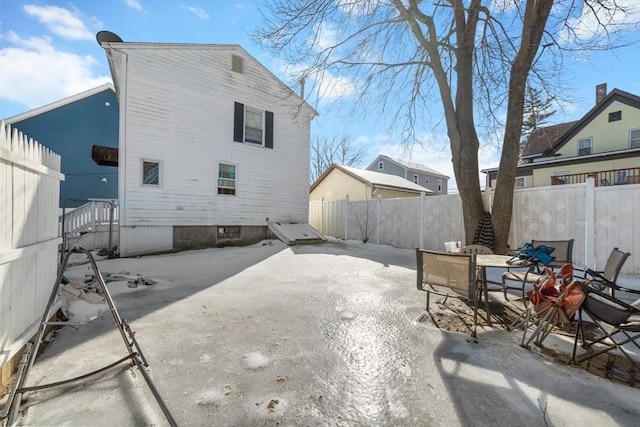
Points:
(137, 240)
(179, 104)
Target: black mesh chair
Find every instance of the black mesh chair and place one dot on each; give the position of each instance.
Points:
(617, 320)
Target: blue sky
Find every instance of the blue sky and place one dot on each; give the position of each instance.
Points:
(48, 51)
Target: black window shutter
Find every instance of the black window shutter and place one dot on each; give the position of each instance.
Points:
(268, 124)
(238, 122)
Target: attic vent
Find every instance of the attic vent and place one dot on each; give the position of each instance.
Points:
(237, 64)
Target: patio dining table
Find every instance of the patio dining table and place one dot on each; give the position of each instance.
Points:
(484, 261)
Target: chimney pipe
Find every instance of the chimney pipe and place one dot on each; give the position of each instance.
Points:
(302, 81)
(601, 92)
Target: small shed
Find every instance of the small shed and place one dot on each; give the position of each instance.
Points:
(338, 182)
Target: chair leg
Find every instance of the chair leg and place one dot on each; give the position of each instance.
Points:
(544, 328)
(615, 345)
(579, 333)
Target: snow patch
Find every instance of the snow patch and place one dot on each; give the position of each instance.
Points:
(205, 358)
(256, 360)
(82, 311)
(346, 315)
(210, 397)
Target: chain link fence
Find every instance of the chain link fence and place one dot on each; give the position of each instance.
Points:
(93, 225)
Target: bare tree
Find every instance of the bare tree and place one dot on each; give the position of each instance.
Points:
(475, 56)
(326, 151)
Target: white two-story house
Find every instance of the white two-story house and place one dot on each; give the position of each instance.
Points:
(212, 146)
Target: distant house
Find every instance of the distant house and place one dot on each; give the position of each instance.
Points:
(338, 182)
(603, 144)
(213, 147)
(414, 172)
(71, 127)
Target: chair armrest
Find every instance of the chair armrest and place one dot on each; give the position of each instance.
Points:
(588, 289)
(583, 270)
(601, 280)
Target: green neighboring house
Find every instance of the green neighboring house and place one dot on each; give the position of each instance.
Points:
(603, 144)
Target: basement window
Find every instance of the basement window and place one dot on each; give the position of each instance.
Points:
(229, 232)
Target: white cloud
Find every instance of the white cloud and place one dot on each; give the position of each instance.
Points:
(616, 17)
(60, 21)
(201, 14)
(326, 37)
(133, 4)
(23, 80)
(332, 87)
(327, 86)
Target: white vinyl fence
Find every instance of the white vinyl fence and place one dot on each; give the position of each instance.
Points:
(29, 192)
(598, 218)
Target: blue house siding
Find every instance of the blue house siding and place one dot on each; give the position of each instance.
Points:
(71, 130)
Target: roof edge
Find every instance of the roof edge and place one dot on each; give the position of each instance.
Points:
(153, 45)
(614, 95)
(60, 103)
(568, 159)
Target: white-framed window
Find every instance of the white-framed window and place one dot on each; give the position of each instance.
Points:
(521, 181)
(415, 179)
(150, 173)
(227, 179)
(584, 146)
(253, 125)
(439, 184)
(634, 138)
(380, 166)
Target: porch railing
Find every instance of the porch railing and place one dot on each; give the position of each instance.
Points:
(602, 178)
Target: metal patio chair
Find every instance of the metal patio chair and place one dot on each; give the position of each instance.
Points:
(612, 268)
(617, 321)
(613, 316)
(562, 254)
(449, 275)
(476, 249)
(481, 250)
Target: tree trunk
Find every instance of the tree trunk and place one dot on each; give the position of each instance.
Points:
(535, 18)
(465, 152)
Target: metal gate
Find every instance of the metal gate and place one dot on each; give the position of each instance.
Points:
(92, 226)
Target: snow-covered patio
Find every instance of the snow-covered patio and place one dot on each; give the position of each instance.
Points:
(305, 336)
